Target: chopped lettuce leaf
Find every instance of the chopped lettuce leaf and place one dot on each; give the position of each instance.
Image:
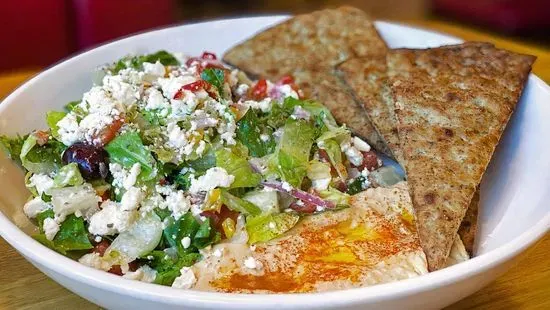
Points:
(12, 146)
(318, 170)
(200, 234)
(128, 149)
(72, 234)
(336, 196)
(136, 62)
(240, 205)
(338, 134)
(249, 132)
(356, 186)
(202, 164)
(335, 156)
(164, 57)
(206, 235)
(277, 117)
(40, 217)
(71, 105)
(52, 118)
(315, 108)
(168, 267)
(185, 226)
(41, 159)
(269, 226)
(266, 200)
(182, 181)
(291, 159)
(68, 175)
(141, 238)
(75, 108)
(215, 77)
(238, 167)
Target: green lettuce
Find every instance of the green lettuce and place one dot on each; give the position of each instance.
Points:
(52, 118)
(201, 234)
(72, 234)
(356, 186)
(12, 146)
(41, 159)
(238, 204)
(238, 167)
(68, 175)
(127, 149)
(291, 158)
(168, 267)
(269, 226)
(341, 200)
(215, 77)
(249, 130)
(316, 109)
(136, 62)
(207, 161)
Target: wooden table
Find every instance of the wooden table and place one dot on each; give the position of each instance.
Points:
(526, 286)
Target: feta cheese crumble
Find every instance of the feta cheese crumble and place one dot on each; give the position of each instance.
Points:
(214, 177)
(186, 242)
(186, 280)
(35, 206)
(51, 228)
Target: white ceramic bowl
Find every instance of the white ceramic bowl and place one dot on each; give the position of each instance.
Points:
(515, 189)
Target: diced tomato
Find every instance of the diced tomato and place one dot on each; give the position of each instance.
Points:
(303, 207)
(101, 247)
(109, 133)
(115, 269)
(194, 87)
(259, 91)
(341, 186)
(106, 195)
(217, 218)
(370, 161)
(41, 137)
(133, 265)
(286, 79)
(209, 55)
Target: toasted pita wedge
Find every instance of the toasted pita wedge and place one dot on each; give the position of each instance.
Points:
(367, 78)
(308, 47)
(374, 241)
(321, 38)
(452, 105)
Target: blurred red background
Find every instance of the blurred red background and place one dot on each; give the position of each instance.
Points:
(37, 33)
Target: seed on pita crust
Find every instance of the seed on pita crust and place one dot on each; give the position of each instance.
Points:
(451, 96)
(429, 198)
(449, 132)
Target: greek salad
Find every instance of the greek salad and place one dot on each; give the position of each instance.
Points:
(167, 155)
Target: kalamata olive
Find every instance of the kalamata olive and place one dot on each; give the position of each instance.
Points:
(91, 160)
(370, 161)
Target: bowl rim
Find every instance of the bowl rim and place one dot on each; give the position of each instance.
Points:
(39, 254)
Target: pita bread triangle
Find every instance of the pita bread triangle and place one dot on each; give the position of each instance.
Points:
(451, 105)
(367, 78)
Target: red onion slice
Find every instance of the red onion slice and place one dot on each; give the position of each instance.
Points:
(299, 194)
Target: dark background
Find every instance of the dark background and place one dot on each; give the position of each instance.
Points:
(37, 33)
